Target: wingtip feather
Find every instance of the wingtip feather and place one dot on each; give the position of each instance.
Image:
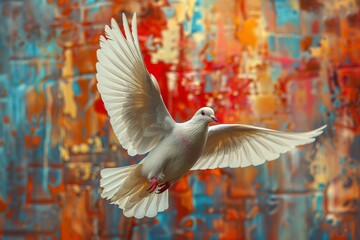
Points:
(114, 24)
(107, 31)
(124, 18)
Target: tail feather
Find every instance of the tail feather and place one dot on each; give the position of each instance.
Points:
(112, 179)
(125, 187)
(149, 206)
(112, 174)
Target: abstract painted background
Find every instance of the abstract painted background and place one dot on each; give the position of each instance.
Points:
(286, 64)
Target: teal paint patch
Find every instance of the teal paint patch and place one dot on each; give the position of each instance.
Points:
(292, 46)
(337, 103)
(271, 41)
(209, 57)
(90, 1)
(196, 25)
(326, 89)
(275, 72)
(76, 88)
(208, 83)
(322, 108)
(169, 11)
(285, 14)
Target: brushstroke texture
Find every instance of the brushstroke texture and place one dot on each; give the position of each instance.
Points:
(283, 64)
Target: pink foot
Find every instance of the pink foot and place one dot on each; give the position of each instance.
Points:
(154, 183)
(163, 187)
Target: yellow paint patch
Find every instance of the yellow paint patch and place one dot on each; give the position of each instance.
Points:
(68, 95)
(64, 153)
(67, 70)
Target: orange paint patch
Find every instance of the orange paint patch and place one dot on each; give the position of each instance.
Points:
(32, 142)
(247, 34)
(306, 43)
(36, 141)
(231, 215)
(28, 141)
(35, 103)
(188, 223)
(84, 59)
(265, 104)
(6, 119)
(181, 185)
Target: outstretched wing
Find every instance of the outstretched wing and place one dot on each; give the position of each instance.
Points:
(131, 95)
(237, 145)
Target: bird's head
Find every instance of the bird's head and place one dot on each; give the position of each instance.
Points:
(205, 114)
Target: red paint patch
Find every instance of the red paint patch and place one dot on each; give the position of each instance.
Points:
(100, 107)
(2, 205)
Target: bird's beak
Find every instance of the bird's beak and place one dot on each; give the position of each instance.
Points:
(214, 118)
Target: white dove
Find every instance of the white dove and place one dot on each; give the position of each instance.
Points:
(142, 124)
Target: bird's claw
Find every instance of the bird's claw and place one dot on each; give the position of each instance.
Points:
(154, 183)
(163, 187)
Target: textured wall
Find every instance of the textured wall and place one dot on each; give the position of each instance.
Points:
(284, 64)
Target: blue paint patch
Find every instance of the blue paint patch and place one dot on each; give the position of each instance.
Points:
(21, 72)
(76, 88)
(342, 160)
(354, 149)
(321, 186)
(305, 55)
(169, 11)
(208, 83)
(337, 103)
(209, 57)
(319, 202)
(322, 108)
(196, 25)
(275, 72)
(316, 41)
(52, 47)
(284, 126)
(161, 230)
(291, 46)
(214, 237)
(285, 14)
(3, 174)
(271, 41)
(259, 233)
(336, 91)
(326, 89)
(31, 49)
(296, 64)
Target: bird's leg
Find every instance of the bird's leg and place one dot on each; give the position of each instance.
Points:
(163, 187)
(154, 183)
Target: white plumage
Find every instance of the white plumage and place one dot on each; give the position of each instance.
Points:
(142, 124)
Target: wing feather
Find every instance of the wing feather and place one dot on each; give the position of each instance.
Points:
(238, 145)
(130, 94)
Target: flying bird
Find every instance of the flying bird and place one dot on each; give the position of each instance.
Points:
(143, 125)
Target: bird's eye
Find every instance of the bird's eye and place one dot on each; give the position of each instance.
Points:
(203, 113)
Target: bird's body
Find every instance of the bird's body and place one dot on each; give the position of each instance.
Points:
(176, 153)
(142, 124)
